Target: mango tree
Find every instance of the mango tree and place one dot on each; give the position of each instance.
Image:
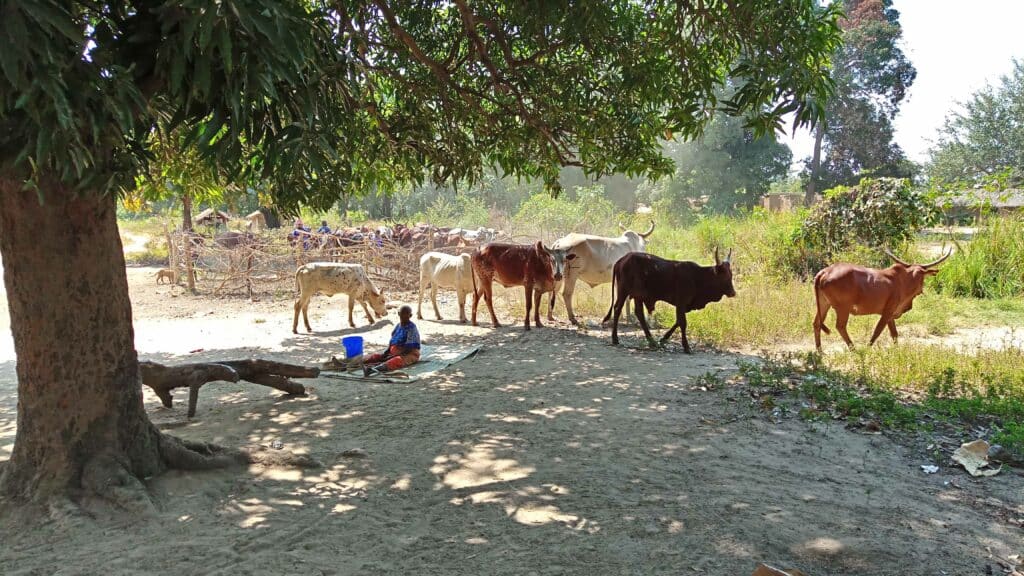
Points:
(321, 99)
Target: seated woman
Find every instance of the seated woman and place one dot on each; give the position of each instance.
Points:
(403, 349)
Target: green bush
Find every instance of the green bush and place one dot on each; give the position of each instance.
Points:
(989, 266)
(881, 212)
(544, 216)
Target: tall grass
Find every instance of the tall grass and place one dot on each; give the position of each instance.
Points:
(991, 265)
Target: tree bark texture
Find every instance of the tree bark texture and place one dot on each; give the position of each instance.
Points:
(82, 427)
(162, 379)
(78, 376)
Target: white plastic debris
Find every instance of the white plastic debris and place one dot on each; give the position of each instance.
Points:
(929, 468)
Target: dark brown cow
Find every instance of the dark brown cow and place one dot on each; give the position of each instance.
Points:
(859, 290)
(686, 285)
(535, 268)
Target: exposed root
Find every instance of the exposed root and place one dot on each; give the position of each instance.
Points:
(188, 455)
(108, 478)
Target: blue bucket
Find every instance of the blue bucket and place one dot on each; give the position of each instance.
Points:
(353, 346)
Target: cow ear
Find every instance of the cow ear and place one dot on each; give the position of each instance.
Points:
(570, 257)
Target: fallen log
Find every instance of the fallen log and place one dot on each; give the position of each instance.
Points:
(162, 379)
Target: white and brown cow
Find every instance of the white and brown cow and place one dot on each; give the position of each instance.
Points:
(445, 271)
(330, 278)
(594, 258)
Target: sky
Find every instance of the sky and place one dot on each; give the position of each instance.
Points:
(957, 47)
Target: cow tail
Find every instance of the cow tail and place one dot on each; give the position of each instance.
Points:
(821, 308)
(612, 305)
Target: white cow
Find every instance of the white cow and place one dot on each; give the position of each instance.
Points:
(445, 271)
(330, 278)
(595, 257)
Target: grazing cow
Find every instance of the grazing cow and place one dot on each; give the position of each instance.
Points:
(535, 268)
(232, 240)
(686, 285)
(595, 257)
(445, 271)
(330, 278)
(859, 290)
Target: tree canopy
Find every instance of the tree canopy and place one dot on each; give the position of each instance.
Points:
(332, 98)
(872, 75)
(727, 165)
(986, 138)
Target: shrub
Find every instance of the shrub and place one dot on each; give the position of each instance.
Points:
(989, 266)
(875, 213)
(547, 217)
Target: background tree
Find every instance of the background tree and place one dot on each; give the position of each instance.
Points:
(985, 139)
(321, 100)
(728, 165)
(872, 75)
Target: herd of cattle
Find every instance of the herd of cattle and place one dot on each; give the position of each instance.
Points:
(418, 236)
(634, 274)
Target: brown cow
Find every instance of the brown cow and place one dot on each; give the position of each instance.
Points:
(859, 290)
(686, 285)
(535, 268)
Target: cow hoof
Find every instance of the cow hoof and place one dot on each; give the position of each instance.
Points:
(462, 320)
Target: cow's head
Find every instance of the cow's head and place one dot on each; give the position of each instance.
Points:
(723, 274)
(637, 241)
(376, 299)
(559, 258)
(916, 273)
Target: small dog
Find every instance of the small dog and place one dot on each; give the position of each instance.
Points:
(170, 275)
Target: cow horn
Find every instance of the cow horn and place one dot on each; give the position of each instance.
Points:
(939, 261)
(648, 233)
(893, 256)
(621, 227)
(728, 257)
(717, 261)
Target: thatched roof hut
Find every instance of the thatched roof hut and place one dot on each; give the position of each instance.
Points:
(211, 216)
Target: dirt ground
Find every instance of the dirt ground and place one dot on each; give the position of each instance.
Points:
(550, 452)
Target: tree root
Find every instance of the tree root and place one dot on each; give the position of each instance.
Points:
(188, 455)
(162, 379)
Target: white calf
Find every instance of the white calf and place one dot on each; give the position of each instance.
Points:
(330, 278)
(445, 271)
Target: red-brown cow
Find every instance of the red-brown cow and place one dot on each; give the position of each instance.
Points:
(859, 290)
(686, 285)
(536, 268)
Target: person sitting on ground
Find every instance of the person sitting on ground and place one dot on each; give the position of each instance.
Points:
(324, 228)
(403, 349)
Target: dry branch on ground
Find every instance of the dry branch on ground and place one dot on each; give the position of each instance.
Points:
(162, 379)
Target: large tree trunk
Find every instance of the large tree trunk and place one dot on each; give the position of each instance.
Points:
(82, 427)
(812, 184)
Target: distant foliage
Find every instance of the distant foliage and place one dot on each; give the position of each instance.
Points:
(460, 210)
(989, 266)
(547, 217)
(882, 212)
(985, 138)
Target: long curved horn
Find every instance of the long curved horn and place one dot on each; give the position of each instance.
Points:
(939, 261)
(717, 261)
(648, 233)
(621, 227)
(893, 256)
(728, 257)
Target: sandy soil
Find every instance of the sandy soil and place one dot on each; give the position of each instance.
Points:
(550, 452)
